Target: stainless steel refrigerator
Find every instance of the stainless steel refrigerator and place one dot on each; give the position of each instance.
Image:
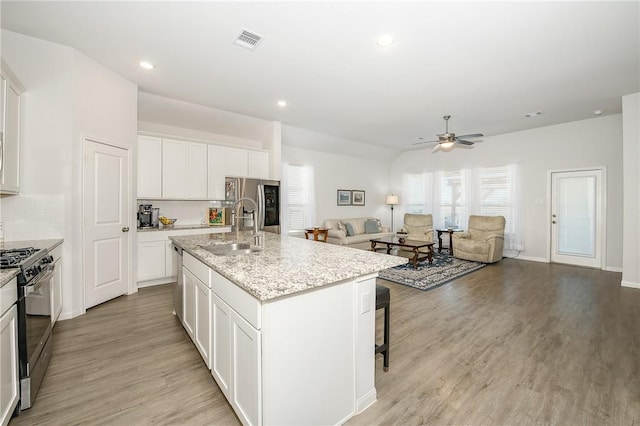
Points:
(266, 194)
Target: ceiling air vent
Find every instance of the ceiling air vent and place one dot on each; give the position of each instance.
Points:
(248, 39)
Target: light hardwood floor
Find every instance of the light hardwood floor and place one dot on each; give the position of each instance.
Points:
(513, 343)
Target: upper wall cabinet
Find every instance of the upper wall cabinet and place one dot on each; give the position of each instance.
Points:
(181, 170)
(149, 167)
(10, 117)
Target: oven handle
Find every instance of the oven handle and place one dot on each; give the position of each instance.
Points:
(44, 275)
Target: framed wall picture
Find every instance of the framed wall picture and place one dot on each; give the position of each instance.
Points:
(344, 197)
(216, 216)
(357, 198)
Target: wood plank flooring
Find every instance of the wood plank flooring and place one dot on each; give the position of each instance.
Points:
(513, 343)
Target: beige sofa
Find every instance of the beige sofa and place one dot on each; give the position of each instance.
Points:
(359, 239)
(483, 241)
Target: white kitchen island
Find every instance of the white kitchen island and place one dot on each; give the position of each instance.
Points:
(288, 332)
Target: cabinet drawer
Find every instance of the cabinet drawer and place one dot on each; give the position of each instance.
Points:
(197, 268)
(8, 295)
(239, 300)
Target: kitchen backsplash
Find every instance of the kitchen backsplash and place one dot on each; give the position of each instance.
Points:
(187, 212)
(32, 217)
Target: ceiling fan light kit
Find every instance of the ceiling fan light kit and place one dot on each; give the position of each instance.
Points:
(447, 141)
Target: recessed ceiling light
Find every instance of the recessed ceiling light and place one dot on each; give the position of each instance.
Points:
(533, 114)
(146, 65)
(282, 103)
(598, 112)
(385, 40)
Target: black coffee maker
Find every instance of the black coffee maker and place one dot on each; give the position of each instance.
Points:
(148, 217)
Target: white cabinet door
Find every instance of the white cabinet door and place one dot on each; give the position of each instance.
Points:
(8, 364)
(246, 381)
(149, 167)
(216, 172)
(203, 321)
(174, 176)
(56, 291)
(196, 171)
(171, 260)
(10, 145)
(189, 300)
(258, 165)
(237, 162)
(151, 260)
(221, 344)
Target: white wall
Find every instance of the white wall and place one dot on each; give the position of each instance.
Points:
(631, 150)
(361, 167)
(587, 143)
(67, 96)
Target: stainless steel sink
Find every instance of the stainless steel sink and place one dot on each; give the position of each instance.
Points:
(231, 249)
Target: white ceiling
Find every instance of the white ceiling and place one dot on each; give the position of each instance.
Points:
(484, 63)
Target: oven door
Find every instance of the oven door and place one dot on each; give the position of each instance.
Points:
(37, 302)
(34, 331)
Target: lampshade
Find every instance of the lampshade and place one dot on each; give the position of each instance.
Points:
(392, 199)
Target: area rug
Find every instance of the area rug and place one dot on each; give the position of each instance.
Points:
(445, 268)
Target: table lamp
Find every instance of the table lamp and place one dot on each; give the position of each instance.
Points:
(392, 200)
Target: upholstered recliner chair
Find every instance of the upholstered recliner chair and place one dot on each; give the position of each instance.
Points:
(419, 227)
(482, 242)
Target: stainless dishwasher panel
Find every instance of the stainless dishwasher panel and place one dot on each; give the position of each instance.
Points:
(177, 291)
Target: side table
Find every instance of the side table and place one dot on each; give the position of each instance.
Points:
(315, 232)
(450, 232)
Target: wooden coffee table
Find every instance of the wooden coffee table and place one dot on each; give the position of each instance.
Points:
(414, 245)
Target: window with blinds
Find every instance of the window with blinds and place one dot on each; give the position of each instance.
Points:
(297, 197)
(496, 189)
(451, 198)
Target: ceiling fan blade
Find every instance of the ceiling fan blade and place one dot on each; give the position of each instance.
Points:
(421, 142)
(436, 148)
(463, 142)
(473, 135)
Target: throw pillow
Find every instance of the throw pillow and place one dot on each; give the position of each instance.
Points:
(379, 224)
(350, 229)
(341, 226)
(371, 227)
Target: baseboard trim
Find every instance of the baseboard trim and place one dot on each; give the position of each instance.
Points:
(613, 269)
(630, 284)
(530, 258)
(366, 400)
(151, 283)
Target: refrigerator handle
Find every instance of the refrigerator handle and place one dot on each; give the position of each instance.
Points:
(261, 207)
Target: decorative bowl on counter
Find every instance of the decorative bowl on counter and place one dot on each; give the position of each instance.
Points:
(166, 221)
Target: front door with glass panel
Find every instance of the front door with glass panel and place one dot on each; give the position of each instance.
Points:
(576, 217)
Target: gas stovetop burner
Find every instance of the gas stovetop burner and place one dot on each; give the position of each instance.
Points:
(13, 257)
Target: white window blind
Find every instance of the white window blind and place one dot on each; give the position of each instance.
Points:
(299, 197)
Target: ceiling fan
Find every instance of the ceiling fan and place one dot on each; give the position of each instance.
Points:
(446, 141)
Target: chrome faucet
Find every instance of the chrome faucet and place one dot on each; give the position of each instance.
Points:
(235, 217)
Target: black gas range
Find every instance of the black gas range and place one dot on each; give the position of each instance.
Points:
(34, 315)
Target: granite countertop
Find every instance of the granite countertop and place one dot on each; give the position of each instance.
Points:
(7, 274)
(286, 265)
(177, 228)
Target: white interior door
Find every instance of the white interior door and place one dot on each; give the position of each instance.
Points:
(106, 222)
(577, 217)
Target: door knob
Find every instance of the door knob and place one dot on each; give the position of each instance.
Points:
(125, 229)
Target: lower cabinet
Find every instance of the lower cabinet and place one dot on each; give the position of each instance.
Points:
(56, 284)
(9, 386)
(221, 344)
(157, 261)
(203, 320)
(151, 260)
(189, 300)
(236, 360)
(246, 387)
